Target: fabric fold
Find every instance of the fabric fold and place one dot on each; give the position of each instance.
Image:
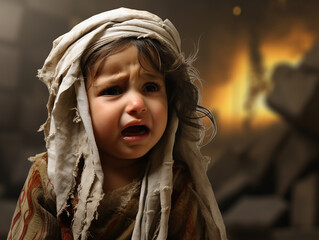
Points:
(69, 134)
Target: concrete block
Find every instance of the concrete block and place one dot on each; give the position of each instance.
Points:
(292, 91)
(311, 59)
(255, 212)
(263, 149)
(296, 97)
(227, 175)
(295, 234)
(9, 66)
(305, 199)
(11, 15)
(296, 154)
(232, 186)
(224, 168)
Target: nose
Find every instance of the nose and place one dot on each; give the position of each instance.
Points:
(136, 104)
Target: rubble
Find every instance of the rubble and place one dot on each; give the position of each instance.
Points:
(273, 182)
(296, 154)
(306, 194)
(296, 93)
(227, 175)
(255, 212)
(294, 234)
(259, 157)
(267, 189)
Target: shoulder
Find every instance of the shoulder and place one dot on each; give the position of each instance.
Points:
(35, 213)
(38, 175)
(40, 160)
(37, 186)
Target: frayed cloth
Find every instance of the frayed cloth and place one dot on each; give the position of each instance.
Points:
(69, 134)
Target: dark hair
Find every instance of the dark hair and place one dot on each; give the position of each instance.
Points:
(182, 94)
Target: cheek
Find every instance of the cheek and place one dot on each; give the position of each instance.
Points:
(101, 118)
(160, 114)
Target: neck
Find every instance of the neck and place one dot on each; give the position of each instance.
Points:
(120, 172)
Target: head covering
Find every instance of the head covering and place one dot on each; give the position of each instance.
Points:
(69, 134)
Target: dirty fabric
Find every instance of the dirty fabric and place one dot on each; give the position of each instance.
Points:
(35, 215)
(69, 135)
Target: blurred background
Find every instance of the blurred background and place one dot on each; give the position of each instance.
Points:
(259, 61)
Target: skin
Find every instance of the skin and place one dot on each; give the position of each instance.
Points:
(128, 107)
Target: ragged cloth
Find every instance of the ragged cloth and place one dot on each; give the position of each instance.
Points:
(35, 216)
(69, 134)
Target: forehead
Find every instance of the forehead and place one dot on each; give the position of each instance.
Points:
(120, 63)
(125, 55)
(120, 59)
(148, 54)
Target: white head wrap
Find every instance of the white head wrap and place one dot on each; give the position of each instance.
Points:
(69, 134)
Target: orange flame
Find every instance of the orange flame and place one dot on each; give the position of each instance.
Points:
(228, 99)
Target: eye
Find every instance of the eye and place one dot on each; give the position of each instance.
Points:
(112, 91)
(151, 87)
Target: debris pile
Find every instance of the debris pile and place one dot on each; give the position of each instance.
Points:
(269, 189)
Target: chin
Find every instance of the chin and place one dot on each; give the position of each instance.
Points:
(135, 155)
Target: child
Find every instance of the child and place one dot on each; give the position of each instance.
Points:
(122, 138)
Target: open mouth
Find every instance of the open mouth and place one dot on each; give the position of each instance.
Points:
(136, 130)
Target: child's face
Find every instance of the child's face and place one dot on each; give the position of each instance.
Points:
(128, 106)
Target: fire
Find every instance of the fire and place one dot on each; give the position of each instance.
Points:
(228, 99)
(289, 49)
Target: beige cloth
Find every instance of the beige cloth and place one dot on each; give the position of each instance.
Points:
(69, 135)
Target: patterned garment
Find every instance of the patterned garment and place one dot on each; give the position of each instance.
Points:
(35, 214)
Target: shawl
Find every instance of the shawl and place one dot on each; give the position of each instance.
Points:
(69, 134)
(35, 215)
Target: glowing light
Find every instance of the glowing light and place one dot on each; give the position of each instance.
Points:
(237, 10)
(289, 48)
(228, 99)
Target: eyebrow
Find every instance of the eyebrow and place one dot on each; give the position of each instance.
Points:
(151, 73)
(117, 79)
(109, 81)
